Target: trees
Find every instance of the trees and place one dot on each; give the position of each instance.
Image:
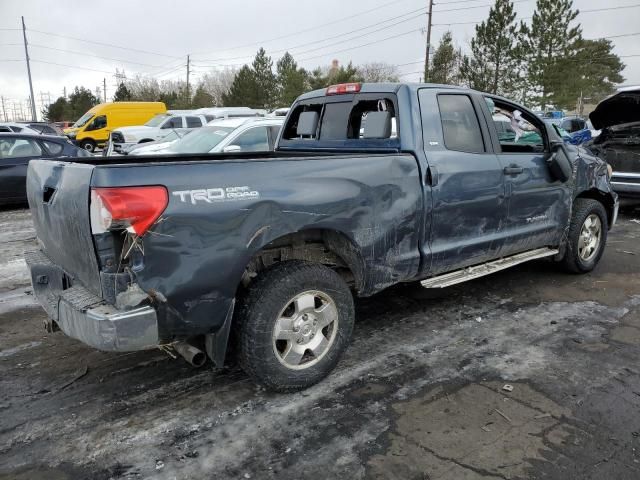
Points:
(254, 86)
(546, 44)
(56, 111)
(267, 94)
(494, 63)
(243, 91)
(323, 77)
(591, 71)
(445, 65)
(201, 98)
(217, 83)
(80, 100)
(378, 72)
(122, 93)
(291, 80)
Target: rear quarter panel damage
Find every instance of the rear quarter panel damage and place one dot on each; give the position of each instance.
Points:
(195, 255)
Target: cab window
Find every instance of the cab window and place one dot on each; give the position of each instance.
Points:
(173, 122)
(460, 126)
(97, 123)
(193, 122)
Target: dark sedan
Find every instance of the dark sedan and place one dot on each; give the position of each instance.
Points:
(17, 149)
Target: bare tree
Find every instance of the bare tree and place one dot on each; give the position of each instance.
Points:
(217, 83)
(378, 72)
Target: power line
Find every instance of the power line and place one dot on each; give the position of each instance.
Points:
(334, 36)
(333, 22)
(363, 45)
(104, 44)
(70, 66)
(91, 55)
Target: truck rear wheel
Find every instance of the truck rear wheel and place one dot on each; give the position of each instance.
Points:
(587, 236)
(295, 323)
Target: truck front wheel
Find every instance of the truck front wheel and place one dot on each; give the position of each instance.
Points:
(88, 144)
(587, 236)
(295, 322)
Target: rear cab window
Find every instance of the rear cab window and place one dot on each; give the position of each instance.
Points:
(341, 122)
(460, 125)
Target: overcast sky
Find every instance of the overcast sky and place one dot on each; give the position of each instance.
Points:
(158, 34)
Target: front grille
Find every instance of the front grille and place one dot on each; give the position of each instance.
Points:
(117, 137)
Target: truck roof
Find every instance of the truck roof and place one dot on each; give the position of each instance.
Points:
(384, 88)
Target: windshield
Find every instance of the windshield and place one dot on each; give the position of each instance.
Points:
(82, 121)
(201, 140)
(156, 121)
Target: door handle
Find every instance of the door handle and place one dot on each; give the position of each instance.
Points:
(513, 170)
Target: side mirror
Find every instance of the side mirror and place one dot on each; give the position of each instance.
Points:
(232, 149)
(559, 163)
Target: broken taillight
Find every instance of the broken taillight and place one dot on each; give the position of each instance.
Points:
(131, 208)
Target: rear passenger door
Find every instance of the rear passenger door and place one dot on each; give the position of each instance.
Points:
(466, 180)
(539, 205)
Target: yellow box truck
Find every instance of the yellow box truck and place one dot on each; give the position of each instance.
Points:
(93, 128)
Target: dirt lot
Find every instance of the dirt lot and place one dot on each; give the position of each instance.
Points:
(419, 394)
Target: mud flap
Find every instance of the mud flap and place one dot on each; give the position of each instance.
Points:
(216, 343)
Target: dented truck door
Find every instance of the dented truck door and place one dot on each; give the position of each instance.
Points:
(538, 204)
(467, 183)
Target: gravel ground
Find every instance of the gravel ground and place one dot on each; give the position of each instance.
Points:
(419, 394)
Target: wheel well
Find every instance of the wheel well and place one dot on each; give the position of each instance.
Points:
(326, 247)
(605, 199)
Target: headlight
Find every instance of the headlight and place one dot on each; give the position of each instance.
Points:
(609, 171)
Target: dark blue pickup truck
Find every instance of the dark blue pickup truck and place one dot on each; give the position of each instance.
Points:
(370, 185)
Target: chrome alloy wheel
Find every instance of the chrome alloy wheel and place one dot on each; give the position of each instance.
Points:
(305, 330)
(590, 238)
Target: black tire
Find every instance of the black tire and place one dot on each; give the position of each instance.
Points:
(582, 209)
(267, 297)
(88, 144)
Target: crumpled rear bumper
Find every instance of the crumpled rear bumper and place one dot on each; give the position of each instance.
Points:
(87, 317)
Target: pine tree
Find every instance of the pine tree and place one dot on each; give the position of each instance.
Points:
(591, 72)
(546, 43)
(201, 98)
(266, 83)
(445, 65)
(291, 80)
(243, 91)
(122, 94)
(493, 65)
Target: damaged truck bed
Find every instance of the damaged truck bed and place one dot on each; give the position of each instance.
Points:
(370, 185)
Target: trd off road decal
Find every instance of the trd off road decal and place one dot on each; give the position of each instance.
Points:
(218, 194)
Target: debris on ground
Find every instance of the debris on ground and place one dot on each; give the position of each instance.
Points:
(507, 388)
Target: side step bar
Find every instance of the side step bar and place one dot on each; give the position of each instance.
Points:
(469, 273)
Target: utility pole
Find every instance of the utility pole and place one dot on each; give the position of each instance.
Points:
(426, 55)
(104, 90)
(64, 92)
(188, 96)
(4, 110)
(34, 117)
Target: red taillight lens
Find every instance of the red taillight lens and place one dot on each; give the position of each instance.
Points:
(135, 208)
(343, 88)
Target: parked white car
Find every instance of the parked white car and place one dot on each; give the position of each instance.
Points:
(150, 148)
(228, 135)
(124, 138)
